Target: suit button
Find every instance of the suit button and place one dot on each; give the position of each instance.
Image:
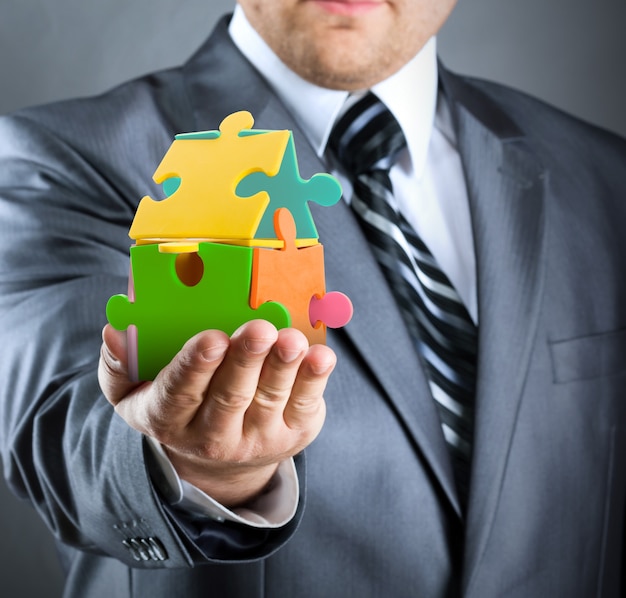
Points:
(158, 550)
(132, 550)
(141, 550)
(145, 549)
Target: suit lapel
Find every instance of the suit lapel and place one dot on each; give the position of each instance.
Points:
(238, 88)
(506, 191)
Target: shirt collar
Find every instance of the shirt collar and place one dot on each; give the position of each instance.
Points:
(410, 94)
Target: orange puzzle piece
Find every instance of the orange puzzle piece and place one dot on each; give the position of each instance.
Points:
(291, 276)
(209, 165)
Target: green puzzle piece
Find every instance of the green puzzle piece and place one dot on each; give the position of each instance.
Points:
(287, 189)
(167, 312)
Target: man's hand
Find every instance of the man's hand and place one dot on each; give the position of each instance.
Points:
(226, 410)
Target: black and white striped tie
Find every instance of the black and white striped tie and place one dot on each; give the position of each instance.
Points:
(366, 141)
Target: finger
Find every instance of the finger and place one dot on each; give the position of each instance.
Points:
(113, 368)
(306, 409)
(234, 385)
(276, 380)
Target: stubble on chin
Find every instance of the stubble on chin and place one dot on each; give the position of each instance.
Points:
(344, 60)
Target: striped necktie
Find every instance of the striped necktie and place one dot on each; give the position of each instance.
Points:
(366, 141)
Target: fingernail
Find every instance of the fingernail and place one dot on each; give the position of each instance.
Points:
(257, 345)
(111, 359)
(287, 356)
(214, 353)
(321, 368)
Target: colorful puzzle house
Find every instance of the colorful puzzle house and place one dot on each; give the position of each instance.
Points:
(233, 240)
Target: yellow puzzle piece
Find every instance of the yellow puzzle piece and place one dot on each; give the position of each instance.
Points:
(209, 167)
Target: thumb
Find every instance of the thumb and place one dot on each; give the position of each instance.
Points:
(165, 407)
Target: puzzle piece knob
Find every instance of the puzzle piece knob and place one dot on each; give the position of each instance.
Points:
(333, 309)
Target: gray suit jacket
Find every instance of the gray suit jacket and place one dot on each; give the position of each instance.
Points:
(546, 510)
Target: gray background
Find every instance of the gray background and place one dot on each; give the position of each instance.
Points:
(568, 52)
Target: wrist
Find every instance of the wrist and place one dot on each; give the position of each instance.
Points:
(231, 484)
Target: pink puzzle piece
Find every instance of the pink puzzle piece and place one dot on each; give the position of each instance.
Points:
(334, 309)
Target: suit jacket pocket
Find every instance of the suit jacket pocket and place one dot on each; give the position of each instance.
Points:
(587, 357)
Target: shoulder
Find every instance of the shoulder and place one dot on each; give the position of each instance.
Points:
(540, 118)
(574, 153)
(546, 127)
(130, 105)
(145, 112)
(113, 139)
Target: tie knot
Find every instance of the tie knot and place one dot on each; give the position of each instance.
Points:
(367, 137)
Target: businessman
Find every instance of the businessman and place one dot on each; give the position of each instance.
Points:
(462, 436)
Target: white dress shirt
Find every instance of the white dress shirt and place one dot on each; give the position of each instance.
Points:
(429, 189)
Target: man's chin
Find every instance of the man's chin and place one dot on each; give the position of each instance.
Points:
(350, 69)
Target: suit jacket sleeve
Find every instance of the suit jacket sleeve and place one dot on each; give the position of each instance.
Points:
(70, 178)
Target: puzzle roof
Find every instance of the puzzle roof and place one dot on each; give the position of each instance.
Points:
(226, 185)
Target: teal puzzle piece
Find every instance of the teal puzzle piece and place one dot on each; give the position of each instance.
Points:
(167, 311)
(287, 189)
